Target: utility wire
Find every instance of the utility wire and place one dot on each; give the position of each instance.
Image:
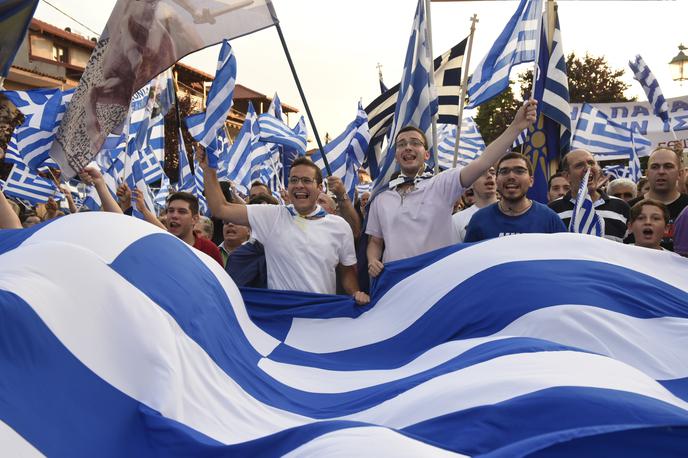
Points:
(72, 18)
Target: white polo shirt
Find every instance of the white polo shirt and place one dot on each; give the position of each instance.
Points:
(418, 222)
(301, 254)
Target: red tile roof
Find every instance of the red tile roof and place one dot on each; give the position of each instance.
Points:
(44, 27)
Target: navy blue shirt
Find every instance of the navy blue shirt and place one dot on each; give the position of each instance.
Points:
(490, 222)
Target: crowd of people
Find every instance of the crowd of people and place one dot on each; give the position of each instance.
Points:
(319, 242)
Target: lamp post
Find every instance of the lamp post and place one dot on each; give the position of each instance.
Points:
(679, 65)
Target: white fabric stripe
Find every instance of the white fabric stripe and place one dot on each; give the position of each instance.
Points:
(14, 445)
(405, 303)
(608, 214)
(85, 233)
(138, 349)
(368, 441)
(654, 346)
(477, 386)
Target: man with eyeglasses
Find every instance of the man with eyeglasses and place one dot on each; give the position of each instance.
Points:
(413, 216)
(515, 213)
(304, 246)
(575, 165)
(485, 191)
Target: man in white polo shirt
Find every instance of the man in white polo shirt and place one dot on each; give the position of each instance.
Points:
(413, 216)
(304, 246)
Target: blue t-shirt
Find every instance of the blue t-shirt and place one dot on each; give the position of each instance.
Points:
(490, 222)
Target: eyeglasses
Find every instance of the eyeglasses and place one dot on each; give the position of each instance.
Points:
(305, 180)
(520, 171)
(414, 143)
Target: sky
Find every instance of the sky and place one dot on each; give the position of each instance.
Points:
(337, 45)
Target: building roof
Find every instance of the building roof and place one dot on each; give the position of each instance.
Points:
(44, 27)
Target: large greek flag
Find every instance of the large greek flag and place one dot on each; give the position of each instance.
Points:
(347, 152)
(417, 100)
(642, 73)
(515, 45)
(138, 345)
(606, 139)
(471, 143)
(204, 127)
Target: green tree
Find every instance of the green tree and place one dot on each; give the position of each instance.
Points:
(495, 115)
(591, 80)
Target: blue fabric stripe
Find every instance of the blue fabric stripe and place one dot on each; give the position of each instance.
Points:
(535, 421)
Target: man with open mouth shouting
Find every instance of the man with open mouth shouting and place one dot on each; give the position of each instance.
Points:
(304, 245)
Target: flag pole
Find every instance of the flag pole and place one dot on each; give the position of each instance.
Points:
(432, 82)
(463, 89)
(303, 97)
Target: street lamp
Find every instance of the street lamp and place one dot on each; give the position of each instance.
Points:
(679, 65)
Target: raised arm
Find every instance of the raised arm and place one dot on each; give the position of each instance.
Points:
(92, 176)
(525, 116)
(141, 206)
(346, 208)
(8, 218)
(219, 207)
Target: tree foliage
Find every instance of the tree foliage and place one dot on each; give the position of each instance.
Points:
(495, 115)
(591, 80)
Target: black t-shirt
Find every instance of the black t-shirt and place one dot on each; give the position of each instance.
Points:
(675, 208)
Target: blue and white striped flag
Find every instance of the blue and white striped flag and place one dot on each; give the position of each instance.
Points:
(634, 168)
(417, 99)
(642, 73)
(448, 70)
(606, 139)
(153, 150)
(471, 144)
(199, 188)
(272, 130)
(23, 183)
(515, 45)
(135, 180)
(204, 128)
(617, 171)
(555, 97)
(275, 107)
(186, 181)
(44, 110)
(160, 199)
(590, 365)
(239, 158)
(347, 152)
(287, 156)
(585, 219)
(219, 149)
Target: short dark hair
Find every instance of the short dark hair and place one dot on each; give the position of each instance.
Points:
(411, 128)
(638, 207)
(303, 160)
(515, 155)
(259, 183)
(262, 199)
(551, 179)
(677, 155)
(186, 197)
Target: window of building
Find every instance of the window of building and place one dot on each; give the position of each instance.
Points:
(60, 54)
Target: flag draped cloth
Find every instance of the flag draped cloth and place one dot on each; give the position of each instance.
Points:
(138, 345)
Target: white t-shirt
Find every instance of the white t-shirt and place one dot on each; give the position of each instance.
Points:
(301, 254)
(418, 222)
(461, 220)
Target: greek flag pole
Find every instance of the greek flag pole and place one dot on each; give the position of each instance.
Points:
(432, 84)
(303, 97)
(463, 89)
